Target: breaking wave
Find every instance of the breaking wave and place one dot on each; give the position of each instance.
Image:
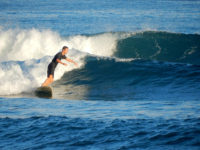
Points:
(122, 58)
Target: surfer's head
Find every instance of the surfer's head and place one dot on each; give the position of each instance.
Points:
(65, 50)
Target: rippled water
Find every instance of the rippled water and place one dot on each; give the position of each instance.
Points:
(75, 124)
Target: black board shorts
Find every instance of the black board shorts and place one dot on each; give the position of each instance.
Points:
(51, 69)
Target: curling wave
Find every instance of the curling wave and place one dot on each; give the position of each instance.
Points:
(122, 58)
(162, 46)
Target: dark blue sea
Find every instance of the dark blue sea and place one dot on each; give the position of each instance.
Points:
(137, 84)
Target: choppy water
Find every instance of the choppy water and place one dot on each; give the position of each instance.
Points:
(68, 124)
(136, 87)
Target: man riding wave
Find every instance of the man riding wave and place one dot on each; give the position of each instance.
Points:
(52, 66)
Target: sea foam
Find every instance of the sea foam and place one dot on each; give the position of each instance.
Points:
(26, 53)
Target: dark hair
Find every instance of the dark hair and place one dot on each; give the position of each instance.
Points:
(64, 47)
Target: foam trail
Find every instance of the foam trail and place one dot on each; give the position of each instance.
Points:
(20, 76)
(23, 76)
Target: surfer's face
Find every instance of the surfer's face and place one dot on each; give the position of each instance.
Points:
(65, 51)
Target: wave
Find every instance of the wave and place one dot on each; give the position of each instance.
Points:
(161, 46)
(25, 54)
(122, 58)
(113, 78)
(18, 44)
(21, 44)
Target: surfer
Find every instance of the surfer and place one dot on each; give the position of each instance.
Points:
(57, 59)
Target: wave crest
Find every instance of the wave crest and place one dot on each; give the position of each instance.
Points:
(161, 46)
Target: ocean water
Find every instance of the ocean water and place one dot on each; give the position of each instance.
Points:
(137, 85)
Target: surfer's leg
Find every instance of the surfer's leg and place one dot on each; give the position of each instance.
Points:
(45, 82)
(48, 81)
(50, 75)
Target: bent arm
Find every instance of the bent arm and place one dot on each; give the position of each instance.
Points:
(59, 61)
(70, 60)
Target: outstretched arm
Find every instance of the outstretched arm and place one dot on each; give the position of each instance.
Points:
(59, 61)
(70, 60)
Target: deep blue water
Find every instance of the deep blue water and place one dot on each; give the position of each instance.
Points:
(137, 85)
(93, 16)
(79, 124)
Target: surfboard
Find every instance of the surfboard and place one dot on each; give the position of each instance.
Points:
(44, 92)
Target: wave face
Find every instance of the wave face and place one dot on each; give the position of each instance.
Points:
(111, 65)
(161, 46)
(112, 79)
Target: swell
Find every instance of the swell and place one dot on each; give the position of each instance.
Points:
(162, 46)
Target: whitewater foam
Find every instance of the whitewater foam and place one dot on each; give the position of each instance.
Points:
(21, 44)
(28, 44)
(25, 55)
(101, 44)
(24, 76)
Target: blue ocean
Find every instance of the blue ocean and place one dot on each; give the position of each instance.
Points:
(136, 86)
